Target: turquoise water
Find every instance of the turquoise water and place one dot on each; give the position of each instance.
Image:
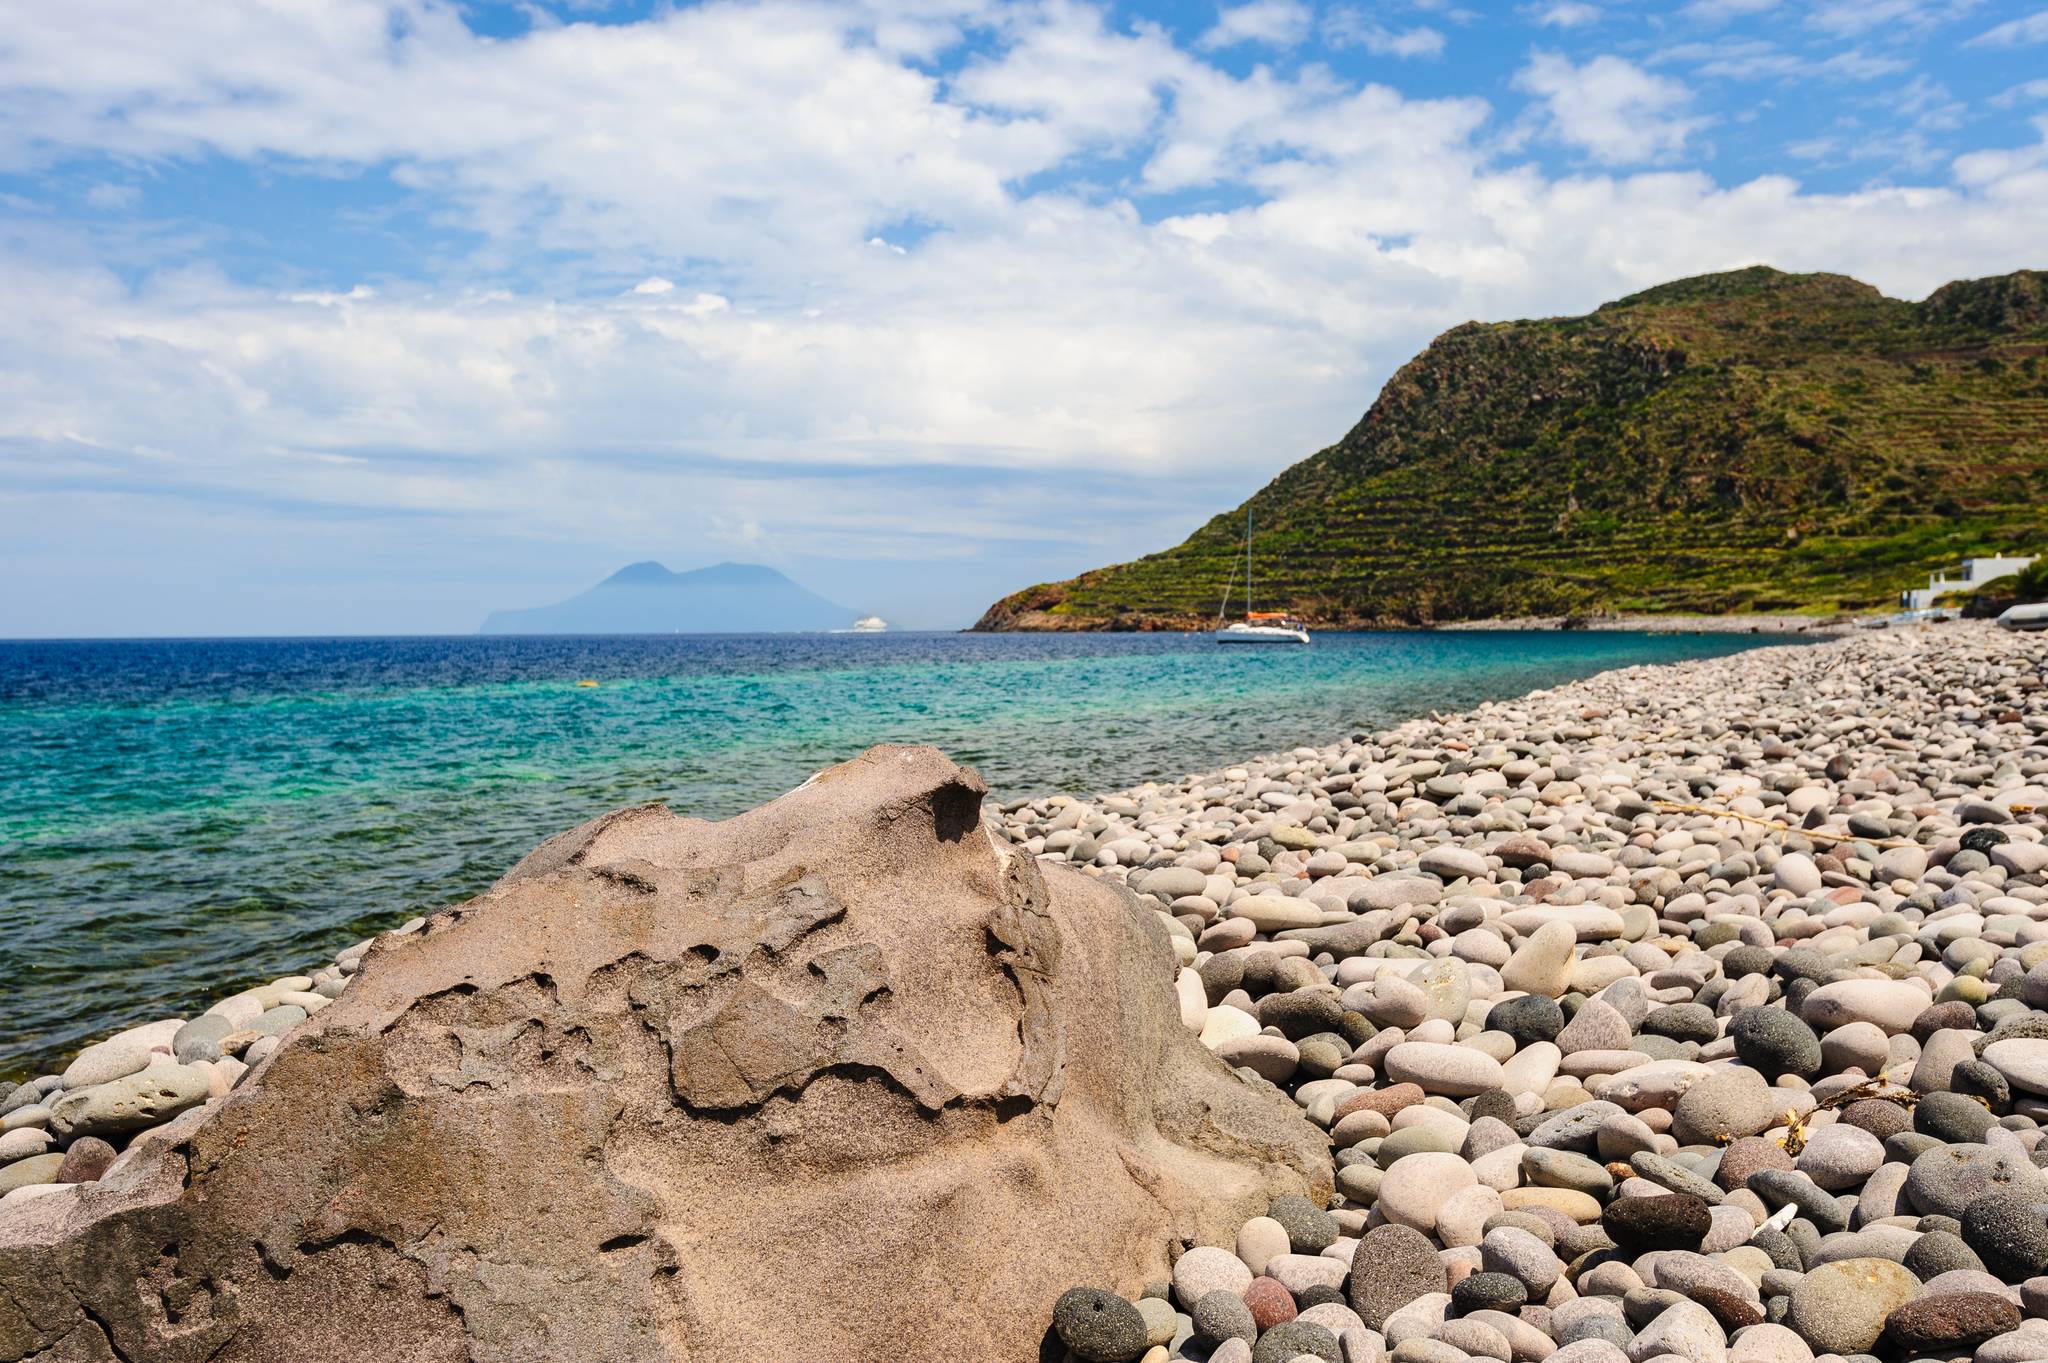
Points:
(179, 818)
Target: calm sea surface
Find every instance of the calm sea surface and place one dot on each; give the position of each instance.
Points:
(181, 818)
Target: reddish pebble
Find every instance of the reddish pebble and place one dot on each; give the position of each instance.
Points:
(1271, 1303)
(1386, 1101)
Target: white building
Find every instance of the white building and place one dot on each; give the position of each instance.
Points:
(1968, 577)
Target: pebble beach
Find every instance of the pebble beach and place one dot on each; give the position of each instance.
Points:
(1690, 1012)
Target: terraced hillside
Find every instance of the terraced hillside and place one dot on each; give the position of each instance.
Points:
(1753, 441)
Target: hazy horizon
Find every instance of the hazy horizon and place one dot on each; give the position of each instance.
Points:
(374, 316)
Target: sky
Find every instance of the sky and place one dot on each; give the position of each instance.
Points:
(367, 316)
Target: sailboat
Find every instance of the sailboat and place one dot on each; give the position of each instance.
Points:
(1257, 627)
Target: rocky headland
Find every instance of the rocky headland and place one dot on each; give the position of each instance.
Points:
(1695, 1012)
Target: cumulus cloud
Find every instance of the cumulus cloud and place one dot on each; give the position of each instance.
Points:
(712, 340)
(1568, 14)
(1609, 107)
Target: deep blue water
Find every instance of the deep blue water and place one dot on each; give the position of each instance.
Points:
(181, 818)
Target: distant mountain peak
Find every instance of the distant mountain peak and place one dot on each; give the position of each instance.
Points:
(648, 598)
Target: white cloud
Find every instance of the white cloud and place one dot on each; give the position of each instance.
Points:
(1610, 108)
(1853, 17)
(1351, 27)
(1568, 14)
(2032, 28)
(738, 160)
(1273, 23)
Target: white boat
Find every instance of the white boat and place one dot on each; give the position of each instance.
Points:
(870, 624)
(2029, 617)
(1257, 627)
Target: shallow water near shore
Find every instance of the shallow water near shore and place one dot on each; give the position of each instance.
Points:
(179, 818)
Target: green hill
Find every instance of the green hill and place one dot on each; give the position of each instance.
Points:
(1749, 441)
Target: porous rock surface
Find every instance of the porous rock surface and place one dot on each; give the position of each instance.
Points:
(839, 1078)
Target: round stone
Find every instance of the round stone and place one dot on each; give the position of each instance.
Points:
(1393, 1266)
(1937, 1252)
(1952, 1117)
(1640, 1224)
(1513, 1251)
(1840, 1156)
(1310, 1229)
(1880, 1118)
(1744, 1157)
(1205, 1269)
(1099, 1326)
(1529, 1019)
(1269, 1302)
(1954, 1320)
(1416, 1187)
(86, 1159)
(1489, 1292)
(1723, 1106)
(1455, 1071)
(1946, 1179)
(1223, 1315)
(1841, 1308)
(1775, 1042)
(1288, 1341)
(1687, 1022)
(2005, 1229)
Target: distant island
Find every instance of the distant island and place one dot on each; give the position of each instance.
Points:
(1747, 442)
(646, 598)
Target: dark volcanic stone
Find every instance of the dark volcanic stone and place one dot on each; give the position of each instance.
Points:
(1744, 1156)
(1780, 1246)
(1528, 1019)
(1222, 1315)
(1489, 1292)
(1975, 1079)
(1099, 1326)
(1292, 1340)
(1682, 1022)
(1953, 1320)
(1780, 1186)
(1880, 1118)
(1982, 839)
(1802, 963)
(1775, 1042)
(1955, 1014)
(1676, 1221)
(1952, 1117)
(1939, 1252)
(1746, 960)
(1310, 1229)
(1315, 1294)
(2008, 1233)
(1392, 1266)
(1496, 1103)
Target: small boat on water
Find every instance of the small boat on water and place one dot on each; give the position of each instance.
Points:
(1257, 627)
(870, 624)
(1264, 627)
(2030, 617)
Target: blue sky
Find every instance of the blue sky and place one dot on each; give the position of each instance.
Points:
(369, 315)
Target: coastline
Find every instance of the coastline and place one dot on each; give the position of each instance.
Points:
(1046, 622)
(1501, 941)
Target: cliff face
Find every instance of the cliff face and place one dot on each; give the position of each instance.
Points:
(1748, 441)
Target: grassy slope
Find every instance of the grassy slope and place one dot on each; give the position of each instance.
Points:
(1751, 441)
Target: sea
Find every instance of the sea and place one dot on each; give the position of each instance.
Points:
(182, 818)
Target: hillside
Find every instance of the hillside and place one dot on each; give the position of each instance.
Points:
(1753, 441)
(646, 598)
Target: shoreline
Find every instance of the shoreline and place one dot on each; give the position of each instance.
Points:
(1044, 622)
(1758, 931)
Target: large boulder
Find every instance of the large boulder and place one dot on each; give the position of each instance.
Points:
(839, 1078)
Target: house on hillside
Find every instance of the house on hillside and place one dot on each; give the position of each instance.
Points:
(1971, 574)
